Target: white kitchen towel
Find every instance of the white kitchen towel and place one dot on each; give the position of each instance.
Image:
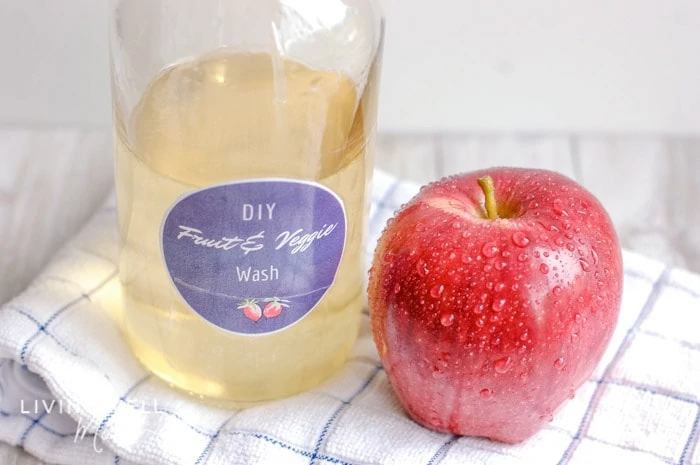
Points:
(59, 341)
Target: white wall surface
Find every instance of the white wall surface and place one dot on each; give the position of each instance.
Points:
(450, 65)
(54, 66)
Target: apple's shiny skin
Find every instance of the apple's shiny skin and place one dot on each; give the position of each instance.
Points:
(486, 327)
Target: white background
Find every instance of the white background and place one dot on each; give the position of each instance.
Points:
(450, 65)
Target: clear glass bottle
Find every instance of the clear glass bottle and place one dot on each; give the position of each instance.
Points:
(244, 150)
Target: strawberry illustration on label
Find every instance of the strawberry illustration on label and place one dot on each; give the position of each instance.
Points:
(251, 310)
(274, 307)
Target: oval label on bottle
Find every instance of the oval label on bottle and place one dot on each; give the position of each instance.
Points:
(255, 257)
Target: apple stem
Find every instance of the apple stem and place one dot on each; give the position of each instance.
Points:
(486, 184)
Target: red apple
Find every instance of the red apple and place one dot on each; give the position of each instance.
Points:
(493, 296)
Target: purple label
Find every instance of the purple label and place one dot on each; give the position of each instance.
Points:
(255, 257)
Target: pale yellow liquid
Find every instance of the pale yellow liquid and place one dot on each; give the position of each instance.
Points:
(224, 117)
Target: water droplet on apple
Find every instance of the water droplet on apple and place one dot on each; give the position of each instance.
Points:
(494, 319)
(570, 247)
(544, 237)
(557, 290)
(522, 257)
(479, 309)
(422, 267)
(485, 394)
(388, 257)
(601, 284)
(420, 227)
(489, 249)
(480, 322)
(515, 286)
(579, 299)
(466, 258)
(559, 363)
(585, 266)
(437, 373)
(500, 265)
(524, 336)
(559, 241)
(545, 253)
(446, 319)
(397, 288)
(577, 318)
(498, 305)
(502, 365)
(544, 269)
(533, 205)
(499, 287)
(594, 256)
(520, 239)
(457, 225)
(487, 268)
(572, 393)
(523, 376)
(436, 290)
(558, 207)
